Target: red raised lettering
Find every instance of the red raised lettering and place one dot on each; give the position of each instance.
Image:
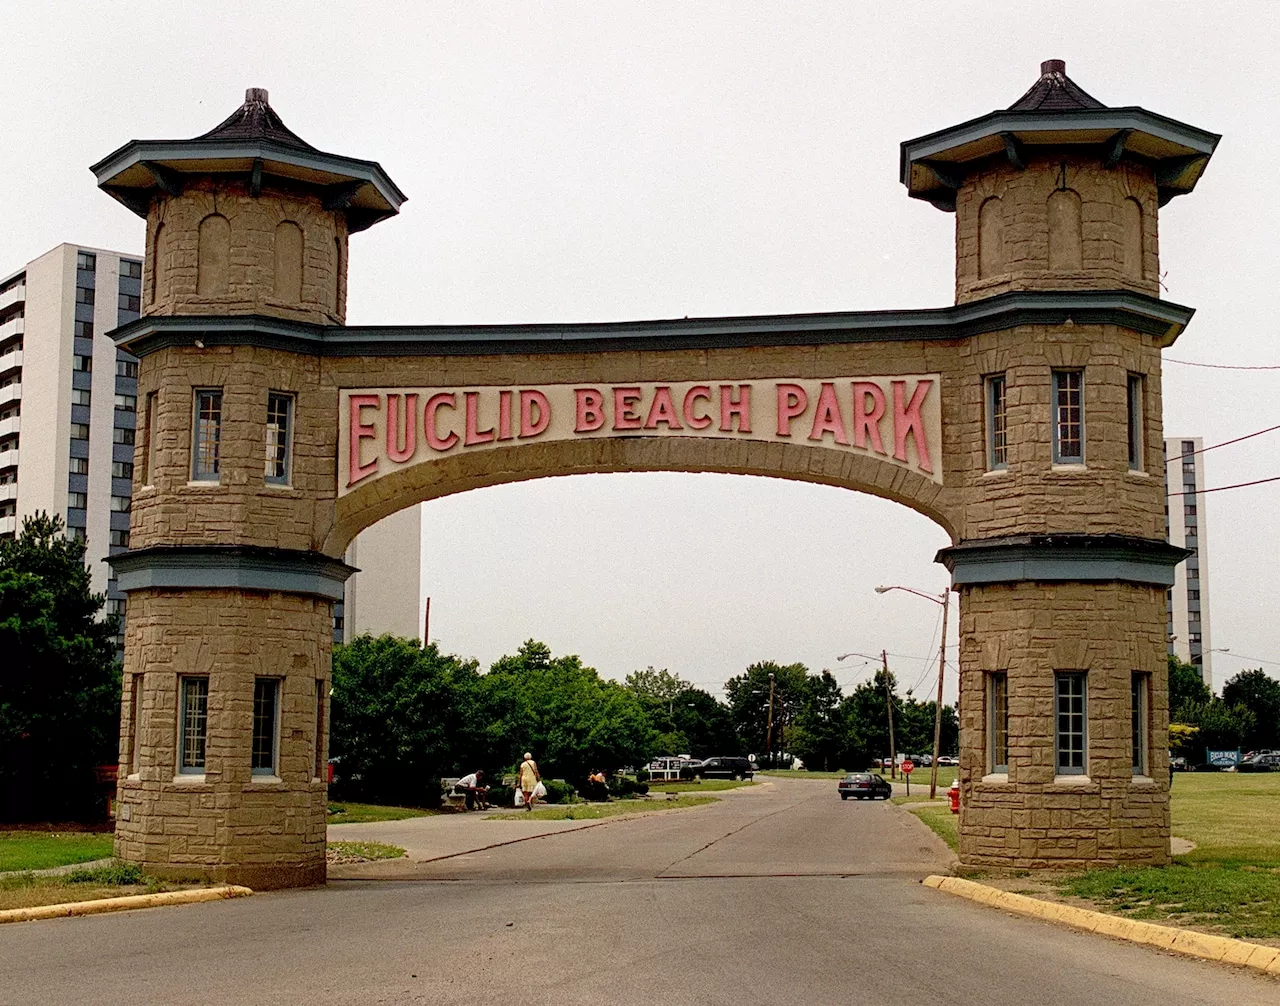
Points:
(907, 420)
(740, 407)
(434, 404)
(360, 431)
(475, 436)
(589, 406)
(663, 410)
(409, 422)
(792, 401)
(535, 413)
(827, 418)
(866, 425)
(624, 403)
(504, 415)
(692, 419)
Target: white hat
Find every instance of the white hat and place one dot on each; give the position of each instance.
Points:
(527, 756)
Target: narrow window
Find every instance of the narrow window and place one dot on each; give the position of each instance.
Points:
(126, 368)
(121, 470)
(1066, 245)
(81, 396)
(119, 435)
(320, 729)
(997, 424)
(119, 538)
(78, 501)
(79, 431)
(279, 430)
(87, 261)
(1136, 438)
(991, 255)
(149, 451)
(998, 725)
(193, 724)
(157, 243)
(84, 364)
(78, 466)
(288, 262)
(1131, 238)
(1138, 717)
(208, 434)
(134, 680)
(127, 403)
(119, 504)
(266, 694)
(213, 256)
(1071, 722)
(1068, 417)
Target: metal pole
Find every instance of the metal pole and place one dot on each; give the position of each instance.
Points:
(426, 625)
(937, 713)
(769, 734)
(888, 699)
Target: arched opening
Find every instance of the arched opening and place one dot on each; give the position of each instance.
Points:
(213, 259)
(1066, 243)
(991, 253)
(159, 241)
(1131, 238)
(288, 262)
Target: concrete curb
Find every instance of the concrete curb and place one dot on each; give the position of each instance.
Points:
(1183, 941)
(123, 904)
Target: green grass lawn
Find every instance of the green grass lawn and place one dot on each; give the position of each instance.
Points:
(24, 890)
(694, 786)
(362, 852)
(364, 813)
(941, 821)
(596, 811)
(787, 773)
(1229, 884)
(42, 850)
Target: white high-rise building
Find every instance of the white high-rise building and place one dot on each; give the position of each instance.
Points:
(68, 410)
(1189, 595)
(68, 399)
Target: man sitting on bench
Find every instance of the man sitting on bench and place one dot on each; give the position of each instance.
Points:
(473, 788)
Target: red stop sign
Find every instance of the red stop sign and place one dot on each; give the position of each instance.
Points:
(908, 767)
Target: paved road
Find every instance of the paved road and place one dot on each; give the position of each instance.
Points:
(779, 894)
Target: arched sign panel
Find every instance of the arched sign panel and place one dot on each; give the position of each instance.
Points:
(895, 419)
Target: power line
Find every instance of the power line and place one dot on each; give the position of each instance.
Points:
(1252, 660)
(1187, 454)
(1221, 366)
(1218, 489)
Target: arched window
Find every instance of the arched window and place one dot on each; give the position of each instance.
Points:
(1131, 238)
(991, 254)
(213, 259)
(1066, 246)
(288, 275)
(158, 243)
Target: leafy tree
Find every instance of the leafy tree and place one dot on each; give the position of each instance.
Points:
(1258, 692)
(657, 686)
(1186, 686)
(748, 695)
(705, 724)
(867, 715)
(818, 736)
(396, 715)
(59, 679)
(1220, 726)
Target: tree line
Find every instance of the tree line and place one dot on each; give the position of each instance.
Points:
(403, 716)
(1246, 716)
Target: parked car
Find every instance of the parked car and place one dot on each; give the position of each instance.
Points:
(720, 767)
(948, 760)
(864, 786)
(1177, 763)
(1260, 763)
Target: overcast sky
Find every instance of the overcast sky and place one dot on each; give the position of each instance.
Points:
(600, 161)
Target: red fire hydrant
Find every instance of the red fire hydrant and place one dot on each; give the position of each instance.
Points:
(954, 794)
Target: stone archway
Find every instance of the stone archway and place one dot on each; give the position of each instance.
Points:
(1025, 420)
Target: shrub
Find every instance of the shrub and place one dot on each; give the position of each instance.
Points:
(116, 875)
(558, 791)
(622, 786)
(642, 775)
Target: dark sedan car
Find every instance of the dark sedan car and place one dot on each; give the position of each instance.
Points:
(864, 786)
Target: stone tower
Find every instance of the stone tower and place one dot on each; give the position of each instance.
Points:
(223, 762)
(1063, 691)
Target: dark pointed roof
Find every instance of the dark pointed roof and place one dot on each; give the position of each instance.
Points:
(1055, 91)
(1056, 115)
(256, 120)
(253, 143)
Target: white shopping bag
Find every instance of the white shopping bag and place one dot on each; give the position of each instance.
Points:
(519, 797)
(540, 791)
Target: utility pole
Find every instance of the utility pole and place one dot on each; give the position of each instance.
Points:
(768, 743)
(888, 699)
(937, 712)
(426, 626)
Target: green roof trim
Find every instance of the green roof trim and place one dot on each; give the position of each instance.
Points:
(1058, 558)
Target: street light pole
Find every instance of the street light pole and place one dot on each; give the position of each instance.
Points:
(768, 742)
(945, 601)
(888, 699)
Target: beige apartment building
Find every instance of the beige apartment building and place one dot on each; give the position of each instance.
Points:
(1189, 595)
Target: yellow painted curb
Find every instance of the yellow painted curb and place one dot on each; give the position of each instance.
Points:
(1183, 941)
(123, 904)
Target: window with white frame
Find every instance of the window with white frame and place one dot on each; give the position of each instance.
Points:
(266, 710)
(1068, 417)
(1138, 705)
(193, 724)
(206, 442)
(1071, 728)
(998, 721)
(997, 424)
(279, 432)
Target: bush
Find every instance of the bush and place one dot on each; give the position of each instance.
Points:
(642, 775)
(558, 791)
(117, 875)
(621, 786)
